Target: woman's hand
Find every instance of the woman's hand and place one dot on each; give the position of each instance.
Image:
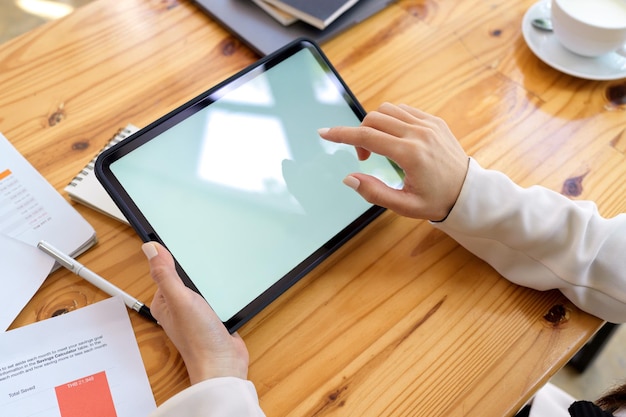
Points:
(433, 161)
(205, 345)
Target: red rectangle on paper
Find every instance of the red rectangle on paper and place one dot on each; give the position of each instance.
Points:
(88, 396)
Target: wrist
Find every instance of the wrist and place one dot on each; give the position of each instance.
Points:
(201, 370)
(457, 188)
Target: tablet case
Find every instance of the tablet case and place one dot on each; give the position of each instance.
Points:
(145, 230)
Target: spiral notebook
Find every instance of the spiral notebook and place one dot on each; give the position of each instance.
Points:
(86, 189)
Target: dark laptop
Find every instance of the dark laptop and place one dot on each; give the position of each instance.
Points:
(264, 34)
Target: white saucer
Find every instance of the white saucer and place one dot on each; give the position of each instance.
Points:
(611, 66)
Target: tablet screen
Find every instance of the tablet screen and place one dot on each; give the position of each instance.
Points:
(239, 186)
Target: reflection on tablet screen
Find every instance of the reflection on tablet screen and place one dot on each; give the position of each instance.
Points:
(244, 190)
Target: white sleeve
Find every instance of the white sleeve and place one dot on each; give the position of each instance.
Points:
(223, 397)
(551, 401)
(540, 239)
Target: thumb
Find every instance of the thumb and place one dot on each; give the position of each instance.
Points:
(162, 267)
(377, 192)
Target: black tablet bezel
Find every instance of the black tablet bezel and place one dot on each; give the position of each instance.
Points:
(146, 231)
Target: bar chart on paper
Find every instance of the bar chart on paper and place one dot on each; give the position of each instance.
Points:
(88, 396)
(85, 363)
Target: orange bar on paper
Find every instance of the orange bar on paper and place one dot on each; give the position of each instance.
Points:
(5, 174)
(88, 396)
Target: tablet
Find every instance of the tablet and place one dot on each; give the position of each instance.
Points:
(239, 186)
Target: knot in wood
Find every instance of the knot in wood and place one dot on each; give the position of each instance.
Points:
(418, 10)
(229, 46)
(59, 312)
(616, 96)
(573, 187)
(557, 314)
(80, 146)
(56, 117)
(335, 397)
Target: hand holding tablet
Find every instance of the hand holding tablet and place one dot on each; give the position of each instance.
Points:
(238, 185)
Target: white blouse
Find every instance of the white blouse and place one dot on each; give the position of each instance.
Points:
(219, 397)
(540, 239)
(534, 237)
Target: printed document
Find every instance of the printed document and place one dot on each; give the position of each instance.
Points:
(31, 210)
(83, 363)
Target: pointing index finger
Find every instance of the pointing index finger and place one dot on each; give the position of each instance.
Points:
(365, 137)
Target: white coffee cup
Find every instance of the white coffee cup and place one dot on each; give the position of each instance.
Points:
(590, 27)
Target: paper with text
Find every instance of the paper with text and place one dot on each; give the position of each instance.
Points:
(31, 210)
(83, 363)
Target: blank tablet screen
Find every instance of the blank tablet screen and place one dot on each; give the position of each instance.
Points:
(239, 186)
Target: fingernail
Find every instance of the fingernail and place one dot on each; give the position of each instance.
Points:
(150, 250)
(322, 130)
(352, 182)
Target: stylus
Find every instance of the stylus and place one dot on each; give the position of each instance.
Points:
(79, 269)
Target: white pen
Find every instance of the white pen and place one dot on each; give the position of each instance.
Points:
(79, 269)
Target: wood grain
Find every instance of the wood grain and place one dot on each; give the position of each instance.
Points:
(401, 321)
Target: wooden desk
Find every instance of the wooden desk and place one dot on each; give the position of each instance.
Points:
(401, 321)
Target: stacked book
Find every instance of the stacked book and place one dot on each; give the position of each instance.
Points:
(317, 13)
